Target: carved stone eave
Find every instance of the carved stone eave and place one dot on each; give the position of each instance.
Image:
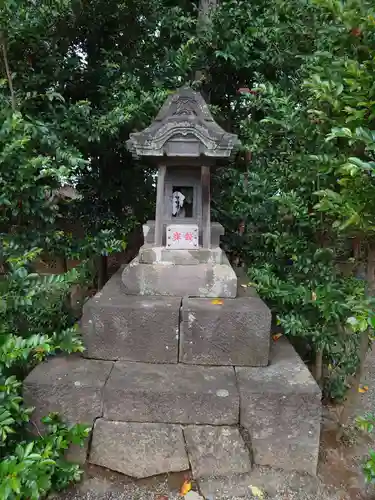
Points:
(184, 127)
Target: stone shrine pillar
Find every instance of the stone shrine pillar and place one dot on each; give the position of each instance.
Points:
(181, 254)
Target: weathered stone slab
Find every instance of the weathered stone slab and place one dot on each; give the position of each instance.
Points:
(141, 392)
(138, 449)
(216, 451)
(199, 280)
(118, 326)
(226, 332)
(281, 409)
(149, 254)
(71, 386)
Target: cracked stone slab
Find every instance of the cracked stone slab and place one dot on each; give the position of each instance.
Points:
(116, 326)
(142, 392)
(225, 332)
(281, 410)
(71, 386)
(138, 450)
(216, 451)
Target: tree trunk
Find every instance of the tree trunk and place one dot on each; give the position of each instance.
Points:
(318, 368)
(7, 69)
(102, 271)
(206, 7)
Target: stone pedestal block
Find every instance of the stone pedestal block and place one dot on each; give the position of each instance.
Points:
(226, 332)
(118, 326)
(216, 451)
(153, 255)
(138, 450)
(165, 278)
(220, 460)
(71, 386)
(281, 409)
(139, 392)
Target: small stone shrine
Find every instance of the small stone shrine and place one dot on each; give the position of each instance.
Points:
(179, 370)
(181, 255)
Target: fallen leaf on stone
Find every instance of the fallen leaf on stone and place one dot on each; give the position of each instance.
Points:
(363, 388)
(256, 492)
(276, 336)
(185, 488)
(217, 302)
(161, 497)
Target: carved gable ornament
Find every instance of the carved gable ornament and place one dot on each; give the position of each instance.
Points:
(184, 127)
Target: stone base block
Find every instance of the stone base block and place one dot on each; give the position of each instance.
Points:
(149, 254)
(140, 392)
(226, 332)
(199, 280)
(216, 451)
(118, 326)
(71, 386)
(281, 409)
(137, 449)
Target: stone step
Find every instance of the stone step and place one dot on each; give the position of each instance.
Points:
(138, 450)
(225, 332)
(277, 408)
(116, 326)
(142, 450)
(128, 327)
(142, 392)
(219, 459)
(281, 410)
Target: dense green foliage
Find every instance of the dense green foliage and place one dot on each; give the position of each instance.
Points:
(307, 190)
(77, 77)
(35, 322)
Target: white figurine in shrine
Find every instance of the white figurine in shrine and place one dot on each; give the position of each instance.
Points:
(178, 204)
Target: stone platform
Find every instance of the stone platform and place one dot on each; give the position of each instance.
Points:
(157, 418)
(173, 382)
(156, 329)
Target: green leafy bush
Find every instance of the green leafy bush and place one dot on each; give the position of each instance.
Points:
(303, 195)
(34, 324)
(366, 423)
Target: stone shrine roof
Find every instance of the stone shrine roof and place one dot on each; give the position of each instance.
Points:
(184, 127)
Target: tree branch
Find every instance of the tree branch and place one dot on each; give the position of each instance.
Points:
(7, 70)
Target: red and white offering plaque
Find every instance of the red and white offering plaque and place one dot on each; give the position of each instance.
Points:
(182, 236)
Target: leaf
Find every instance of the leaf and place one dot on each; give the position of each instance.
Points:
(362, 388)
(217, 302)
(185, 488)
(257, 492)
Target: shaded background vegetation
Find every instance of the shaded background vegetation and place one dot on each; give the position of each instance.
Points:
(293, 78)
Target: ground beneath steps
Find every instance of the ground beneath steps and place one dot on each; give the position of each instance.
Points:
(340, 475)
(105, 485)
